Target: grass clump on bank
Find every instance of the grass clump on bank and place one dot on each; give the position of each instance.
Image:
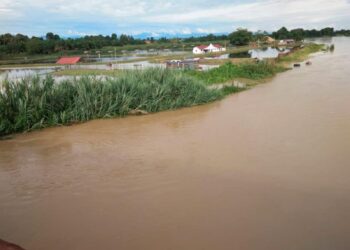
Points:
(229, 71)
(35, 103)
(301, 54)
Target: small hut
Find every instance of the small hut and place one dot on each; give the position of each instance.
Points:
(68, 60)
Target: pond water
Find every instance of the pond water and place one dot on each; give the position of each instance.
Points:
(114, 59)
(135, 55)
(262, 53)
(18, 73)
(138, 65)
(158, 52)
(264, 169)
(265, 53)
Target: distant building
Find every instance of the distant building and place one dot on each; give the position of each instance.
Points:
(68, 60)
(286, 42)
(211, 48)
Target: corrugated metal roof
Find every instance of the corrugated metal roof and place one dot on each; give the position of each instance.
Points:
(68, 60)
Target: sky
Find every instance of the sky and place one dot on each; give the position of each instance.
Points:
(167, 17)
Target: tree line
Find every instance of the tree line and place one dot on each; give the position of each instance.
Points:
(244, 36)
(53, 43)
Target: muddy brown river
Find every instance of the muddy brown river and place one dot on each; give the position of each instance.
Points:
(264, 169)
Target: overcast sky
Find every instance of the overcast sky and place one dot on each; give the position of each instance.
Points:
(80, 17)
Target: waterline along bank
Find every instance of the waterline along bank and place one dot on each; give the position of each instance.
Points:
(34, 103)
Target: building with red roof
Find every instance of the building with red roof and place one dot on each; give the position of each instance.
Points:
(68, 60)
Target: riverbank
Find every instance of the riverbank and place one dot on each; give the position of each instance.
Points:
(275, 156)
(35, 103)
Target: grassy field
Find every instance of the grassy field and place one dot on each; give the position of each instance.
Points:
(248, 70)
(301, 54)
(35, 103)
(230, 71)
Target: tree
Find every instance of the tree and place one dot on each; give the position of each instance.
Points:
(282, 33)
(123, 39)
(35, 46)
(240, 37)
(327, 31)
(51, 36)
(297, 34)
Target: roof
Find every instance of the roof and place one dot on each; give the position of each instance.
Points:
(68, 60)
(203, 47)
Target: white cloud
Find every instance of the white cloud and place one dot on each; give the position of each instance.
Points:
(295, 11)
(77, 33)
(172, 16)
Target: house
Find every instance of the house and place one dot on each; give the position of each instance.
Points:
(286, 42)
(68, 60)
(199, 49)
(211, 48)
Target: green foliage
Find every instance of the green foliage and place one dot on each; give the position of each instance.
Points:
(229, 71)
(34, 103)
(35, 46)
(297, 34)
(240, 37)
(302, 54)
(282, 33)
(300, 34)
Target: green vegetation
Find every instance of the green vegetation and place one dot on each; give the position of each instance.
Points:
(241, 37)
(229, 71)
(301, 54)
(299, 34)
(35, 103)
(22, 49)
(86, 72)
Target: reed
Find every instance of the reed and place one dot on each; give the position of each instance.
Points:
(35, 103)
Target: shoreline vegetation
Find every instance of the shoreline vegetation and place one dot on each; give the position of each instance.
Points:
(35, 103)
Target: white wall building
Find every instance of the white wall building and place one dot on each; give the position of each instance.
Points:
(211, 48)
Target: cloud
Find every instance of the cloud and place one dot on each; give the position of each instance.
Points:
(172, 16)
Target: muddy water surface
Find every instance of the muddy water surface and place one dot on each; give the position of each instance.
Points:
(268, 168)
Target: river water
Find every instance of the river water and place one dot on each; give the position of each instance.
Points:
(267, 168)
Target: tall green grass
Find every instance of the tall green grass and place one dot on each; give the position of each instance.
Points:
(34, 103)
(301, 54)
(229, 71)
